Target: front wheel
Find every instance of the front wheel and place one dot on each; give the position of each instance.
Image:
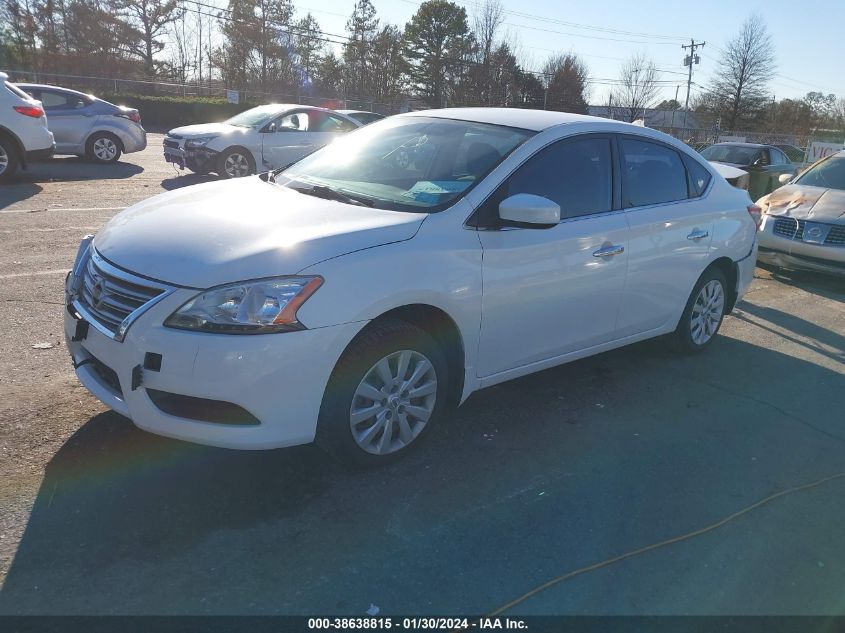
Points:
(385, 393)
(704, 312)
(235, 163)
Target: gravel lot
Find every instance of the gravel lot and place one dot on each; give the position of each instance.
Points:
(528, 480)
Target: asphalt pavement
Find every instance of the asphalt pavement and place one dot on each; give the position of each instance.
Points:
(580, 469)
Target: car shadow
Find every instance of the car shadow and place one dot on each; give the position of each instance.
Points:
(177, 182)
(74, 169)
(12, 192)
(826, 285)
(128, 522)
(818, 336)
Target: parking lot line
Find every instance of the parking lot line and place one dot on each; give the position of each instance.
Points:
(36, 273)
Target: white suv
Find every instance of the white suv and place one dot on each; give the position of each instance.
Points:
(24, 136)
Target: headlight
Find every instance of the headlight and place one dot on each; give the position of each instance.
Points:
(194, 143)
(250, 307)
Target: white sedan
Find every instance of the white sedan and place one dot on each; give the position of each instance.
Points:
(266, 137)
(354, 296)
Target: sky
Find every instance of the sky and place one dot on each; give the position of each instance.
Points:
(605, 32)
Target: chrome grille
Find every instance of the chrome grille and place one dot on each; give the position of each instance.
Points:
(836, 236)
(109, 298)
(789, 227)
(794, 229)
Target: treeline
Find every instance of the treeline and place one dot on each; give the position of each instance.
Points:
(441, 57)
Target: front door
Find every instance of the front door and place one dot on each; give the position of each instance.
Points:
(297, 134)
(70, 118)
(547, 292)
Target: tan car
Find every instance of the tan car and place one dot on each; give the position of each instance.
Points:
(804, 221)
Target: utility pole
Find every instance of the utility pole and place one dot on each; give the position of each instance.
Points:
(689, 60)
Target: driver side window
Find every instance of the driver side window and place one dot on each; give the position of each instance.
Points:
(577, 174)
(296, 122)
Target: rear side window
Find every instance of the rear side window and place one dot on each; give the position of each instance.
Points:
(61, 101)
(575, 174)
(651, 174)
(698, 175)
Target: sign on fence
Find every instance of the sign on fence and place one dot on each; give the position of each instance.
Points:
(232, 96)
(818, 150)
(727, 138)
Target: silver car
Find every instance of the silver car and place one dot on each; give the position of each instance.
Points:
(87, 126)
(804, 221)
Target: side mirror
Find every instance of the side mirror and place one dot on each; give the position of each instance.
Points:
(785, 178)
(269, 128)
(526, 208)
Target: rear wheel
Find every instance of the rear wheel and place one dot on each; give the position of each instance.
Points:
(385, 393)
(103, 148)
(8, 159)
(704, 312)
(235, 162)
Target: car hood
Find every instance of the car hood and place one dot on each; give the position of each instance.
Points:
(207, 129)
(806, 203)
(228, 231)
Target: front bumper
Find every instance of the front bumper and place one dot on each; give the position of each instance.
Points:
(782, 251)
(199, 160)
(277, 378)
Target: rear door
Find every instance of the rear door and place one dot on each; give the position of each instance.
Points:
(70, 118)
(671, 226)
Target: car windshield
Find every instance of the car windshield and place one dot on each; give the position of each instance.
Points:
(827, 173)
(737, 154)
(255, 117)
(407, 163)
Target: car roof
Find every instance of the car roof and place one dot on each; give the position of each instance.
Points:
(24, 85)
(535, 120)
(751, 145)
(4, 76)
(348, 112)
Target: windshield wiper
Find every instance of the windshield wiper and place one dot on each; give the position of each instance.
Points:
(321, 191)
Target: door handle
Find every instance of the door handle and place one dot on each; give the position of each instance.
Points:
(698, 234)
(609, 251)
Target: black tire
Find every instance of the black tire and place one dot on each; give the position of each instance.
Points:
(103, 148)
(377, 341)
(8, 159)
(230, 153)
(684, 339)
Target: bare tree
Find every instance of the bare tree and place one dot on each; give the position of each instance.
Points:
(150, 18)
(487, 20)
(638, 87)
(747, 65)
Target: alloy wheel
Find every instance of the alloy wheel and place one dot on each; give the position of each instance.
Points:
(4, 160)
(393, 402)
(236, 165)
(105, 149)
(707, 312)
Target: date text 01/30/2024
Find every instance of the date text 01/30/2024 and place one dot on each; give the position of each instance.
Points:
(413, 624)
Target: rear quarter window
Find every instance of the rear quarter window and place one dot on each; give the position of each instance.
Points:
(699, 177)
